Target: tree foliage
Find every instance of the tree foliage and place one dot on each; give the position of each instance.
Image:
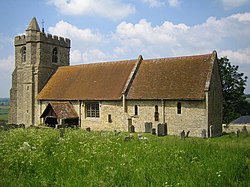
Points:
(233, 86)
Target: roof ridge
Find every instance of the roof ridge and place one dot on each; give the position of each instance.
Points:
(181, 57)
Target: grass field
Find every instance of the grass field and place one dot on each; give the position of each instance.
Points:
(39, 157)
(4, 110)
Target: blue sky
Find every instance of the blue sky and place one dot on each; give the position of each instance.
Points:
(105, 30)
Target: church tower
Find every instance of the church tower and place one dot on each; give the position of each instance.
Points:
(37, 57)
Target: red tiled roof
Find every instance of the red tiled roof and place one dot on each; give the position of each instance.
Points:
(99, 81)
(164, 78)
(172, 78)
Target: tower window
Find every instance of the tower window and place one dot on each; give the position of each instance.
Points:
(23, 54)
(136, 110)
(156, 113)
(179, 108)
(54, 55)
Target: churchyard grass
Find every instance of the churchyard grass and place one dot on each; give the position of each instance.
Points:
(41, 157)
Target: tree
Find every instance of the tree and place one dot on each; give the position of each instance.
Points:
(233, 86)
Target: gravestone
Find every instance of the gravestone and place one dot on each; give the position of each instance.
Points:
(182, 135)
(187, 134)
(148, 127)
(245, 131)
(237, 133)
(131, 128)
(154, 131)
(162, 129)
(203, 133)
(62, 132)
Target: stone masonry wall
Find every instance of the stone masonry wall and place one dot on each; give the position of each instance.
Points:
(215, 104)
(191, 119)
(30, 76)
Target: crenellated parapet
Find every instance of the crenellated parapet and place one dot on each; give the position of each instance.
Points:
(44, 38)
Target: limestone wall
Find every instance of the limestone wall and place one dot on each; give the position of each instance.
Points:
(234, 127)
(192, 118)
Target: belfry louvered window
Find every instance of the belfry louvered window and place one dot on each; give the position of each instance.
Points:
(54, 55)
(23, 54)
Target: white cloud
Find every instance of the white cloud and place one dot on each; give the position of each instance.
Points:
(95, 55)
(143, 33)
(240, 56)
(7, 64)
(229, 4)
(65, 29)
(159, 3)
(75, 57)
(177, 39)
(154, 3)
(174, 3)
(112, 9)
(89, 56)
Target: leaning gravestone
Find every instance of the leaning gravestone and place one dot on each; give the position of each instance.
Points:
(203, 133)
(245, 131)
(153, 131)
(182, 134)
(148, 127)
(162, 129)
(131, 128)
(62, 132)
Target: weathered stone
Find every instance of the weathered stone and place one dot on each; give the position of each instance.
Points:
(162, 129)
(245, 131)
(203, 133)
(148, 127)
(182, 135)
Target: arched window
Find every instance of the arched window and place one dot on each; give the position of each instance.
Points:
(23, 54)
(54, 55)
(179, 108)
(136, 110)
(156, 113)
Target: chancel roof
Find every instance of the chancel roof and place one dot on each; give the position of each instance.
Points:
(164, 78)
(172, 78)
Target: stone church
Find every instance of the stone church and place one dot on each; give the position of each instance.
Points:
(182, 92)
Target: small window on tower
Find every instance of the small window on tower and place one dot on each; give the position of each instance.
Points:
(54, 55)
(23, 54)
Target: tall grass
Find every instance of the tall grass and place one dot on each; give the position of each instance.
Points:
(35, 157)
